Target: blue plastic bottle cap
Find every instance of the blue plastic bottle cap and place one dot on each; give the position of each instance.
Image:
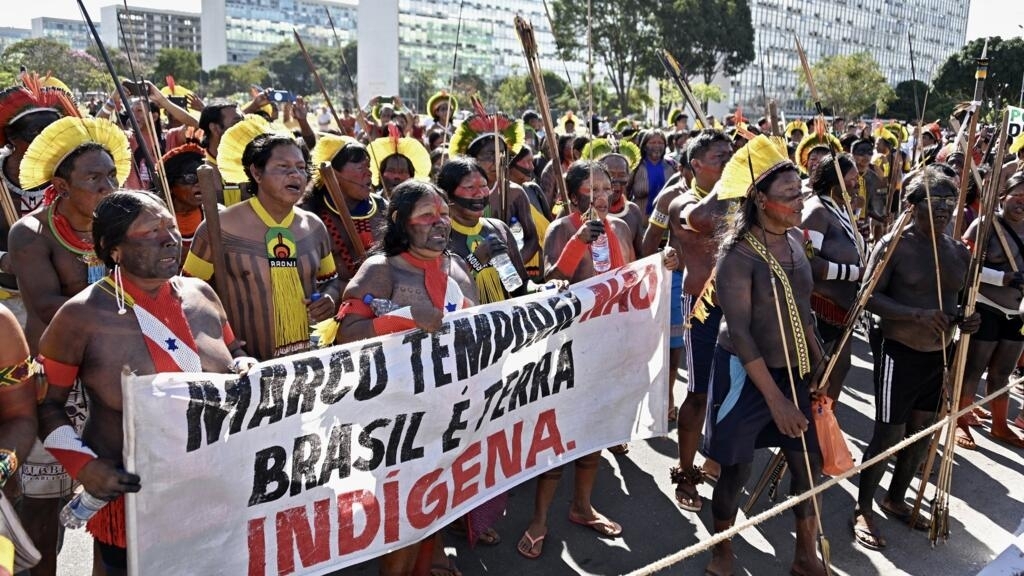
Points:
(367, 299)
(315, 296)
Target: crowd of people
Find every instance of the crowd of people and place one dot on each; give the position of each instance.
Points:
(114, 259)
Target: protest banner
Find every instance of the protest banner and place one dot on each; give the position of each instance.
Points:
(1016, 126)
(321, 460)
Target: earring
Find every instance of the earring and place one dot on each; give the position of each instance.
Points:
(119, 290)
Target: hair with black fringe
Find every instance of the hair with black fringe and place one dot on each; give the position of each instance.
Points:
(403, 200)
(114, 216)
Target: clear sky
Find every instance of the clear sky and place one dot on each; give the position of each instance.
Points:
(987, 17)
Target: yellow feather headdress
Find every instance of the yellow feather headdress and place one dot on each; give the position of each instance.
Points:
(383, 148)
(884, 134)
(810, 142)
(453, 103)
(750, 164)
(327, 147)
(63, 137)
(796, 125)
(233, 143)
(600, 147)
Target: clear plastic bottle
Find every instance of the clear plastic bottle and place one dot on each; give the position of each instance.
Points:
(380, 306)
(601, 254)
(81, 508)
(506, 271)
(517, 232)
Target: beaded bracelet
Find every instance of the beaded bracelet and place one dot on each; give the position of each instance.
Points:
(8, 465)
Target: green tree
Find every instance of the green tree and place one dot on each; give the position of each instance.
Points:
(903, 106)
(183, 65)
(954, 82)
(230, 79)
(514, 94)
(623, 36)
(708, 37)
(122, 66)
(705, 93)
(850, 85)
(79, 70)
(287, 69)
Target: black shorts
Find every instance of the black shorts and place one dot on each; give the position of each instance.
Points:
(739, 421)
(907, 380)
(996, 325)
(829, 332)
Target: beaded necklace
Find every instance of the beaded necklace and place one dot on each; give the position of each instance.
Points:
(65, 235)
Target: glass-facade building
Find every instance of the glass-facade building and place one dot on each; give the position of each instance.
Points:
(488, 44)
(74, 33)
(832, 27)
(236, 31)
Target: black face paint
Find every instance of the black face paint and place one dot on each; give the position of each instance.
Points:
(471, 204)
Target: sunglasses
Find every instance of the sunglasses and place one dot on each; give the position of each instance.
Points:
(190, 179)
(941, 202)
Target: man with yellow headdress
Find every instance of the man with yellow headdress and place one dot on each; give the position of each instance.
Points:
(24, 112)
(442, 107)
(82, 160)
(760, 393)
(396, 158)
(351, 163)
(795, 131)
(280, 274)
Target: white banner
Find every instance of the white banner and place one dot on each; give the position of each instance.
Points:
(1016, 127)
(325, 459)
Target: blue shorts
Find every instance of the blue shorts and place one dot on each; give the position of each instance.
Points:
(700, 345)
(739, 421)
(676, 338)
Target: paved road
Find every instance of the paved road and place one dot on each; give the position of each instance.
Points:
(985, 512)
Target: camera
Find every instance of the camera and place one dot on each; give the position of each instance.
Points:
(281, 96)
(135, 88)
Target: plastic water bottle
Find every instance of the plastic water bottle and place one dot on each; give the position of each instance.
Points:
(600, 253)
(517, 232)
(380, 306)
(81, 508)
(506, 271)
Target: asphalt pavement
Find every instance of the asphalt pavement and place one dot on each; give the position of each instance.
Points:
(986, 512)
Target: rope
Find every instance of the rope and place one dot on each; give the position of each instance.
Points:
(699, 547)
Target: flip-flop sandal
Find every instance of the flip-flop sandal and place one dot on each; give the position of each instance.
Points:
(866, 535)
(599, 523)
(1012, 440)
(981, 414)
(969, 419)
(619, 449)
(903, 515)
(448, 569)
(687, 502)
(490, 537)
(965, 440)
(529, 546)
(709, 478)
